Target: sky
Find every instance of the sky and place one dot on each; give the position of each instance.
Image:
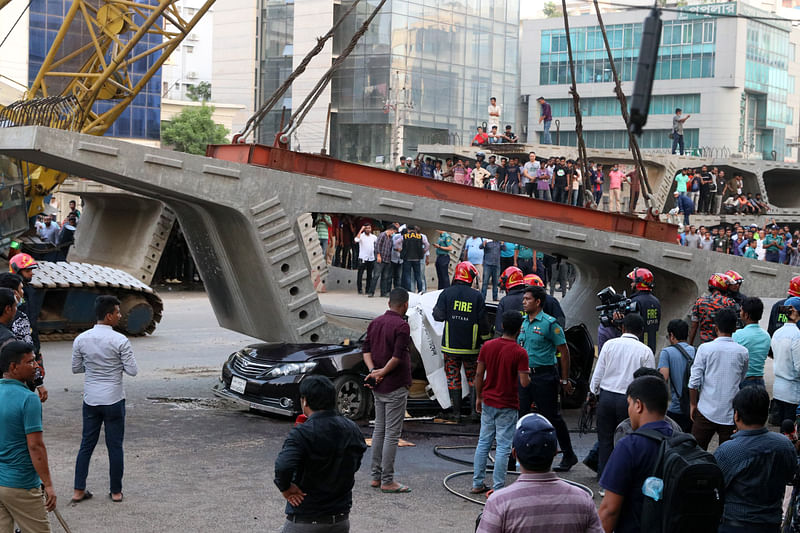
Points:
(529, 8)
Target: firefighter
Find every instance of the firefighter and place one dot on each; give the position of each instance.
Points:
(776, 318)
(647, 305)
(512, 281)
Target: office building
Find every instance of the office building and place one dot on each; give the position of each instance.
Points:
(423, 72)
(191, 62)
(734, 75)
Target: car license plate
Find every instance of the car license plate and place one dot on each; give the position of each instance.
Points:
(238, 385)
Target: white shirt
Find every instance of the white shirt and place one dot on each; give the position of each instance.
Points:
(494, 120)
(618, 360)
(786, 350)
(719, 366)
(103, 354)
(366, 246)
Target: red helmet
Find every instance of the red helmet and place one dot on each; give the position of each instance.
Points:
(642, 278)
(735, 276)
(532, 280)
(21, 262)
(511, 277)
(794, 286)
(466, 272)
(719, 281)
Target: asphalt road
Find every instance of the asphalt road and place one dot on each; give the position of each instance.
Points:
(195, 463)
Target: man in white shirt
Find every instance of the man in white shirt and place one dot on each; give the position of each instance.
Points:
(103, 355)
(786, 350)
(529, 173)
(366, 255)
(494, 113)
(617, 362)
(718, 369)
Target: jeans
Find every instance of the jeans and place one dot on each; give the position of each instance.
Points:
(512, 187)
(785, 411)
(546, 139)
(529, 188)
(771, 257)
(677, 140)
(575, 198)
(362, 266)
(390, 409)
(397, 274)
(703, 429)
(753, 382)
(612, 408)
(491, 272)
(543, 391)
(499, 424)
(113, 418)
(412, 275)
(382, 278)
(526, 265)
(559, 272)
(324, 245)
(705, 199)
(443, 270)
(544, 194)
(560, 195)
(598, 198)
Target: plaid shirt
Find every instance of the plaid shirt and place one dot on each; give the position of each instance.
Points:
(384, 247)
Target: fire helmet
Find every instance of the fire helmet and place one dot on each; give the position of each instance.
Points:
(532, 280)
(21, 262)
(466, 272)
(511, 277)
(719, 282)
(735, 276)
(794, 286)
(642, 278)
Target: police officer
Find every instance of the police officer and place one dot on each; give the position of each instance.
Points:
(466, 326)
(776, 318)
(647, 305)
(734, 289)
(542, 337)
(551, 305)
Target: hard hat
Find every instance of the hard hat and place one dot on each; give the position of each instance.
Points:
(642, 278)
(794, 286)
(532, 280)
(535, 440)
(466, 272)
(719, 281)
(21, 262)
(735, 276)
(511, 277)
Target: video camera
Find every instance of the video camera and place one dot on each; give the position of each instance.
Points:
(612, 303)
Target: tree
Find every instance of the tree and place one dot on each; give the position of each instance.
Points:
(192, 129)
(199, 92)
(550, 10)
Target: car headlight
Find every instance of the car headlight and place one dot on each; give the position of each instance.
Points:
(290, 369)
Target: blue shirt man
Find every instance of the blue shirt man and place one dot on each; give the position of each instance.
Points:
(757, 342)
(474, 250)
(21, 414)
(673, 364)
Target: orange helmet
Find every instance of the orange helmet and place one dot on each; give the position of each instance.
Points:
(642, 278)
(466, 272)
(511, 277)
(532, 280)
(735, 276)
(21, 262)
(794, 286)
(719, 281)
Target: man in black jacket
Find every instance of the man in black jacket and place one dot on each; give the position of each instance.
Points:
(316, 468)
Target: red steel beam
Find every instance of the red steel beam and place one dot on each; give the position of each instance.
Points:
(332, 169)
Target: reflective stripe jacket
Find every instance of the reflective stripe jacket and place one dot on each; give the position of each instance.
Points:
(463, 312)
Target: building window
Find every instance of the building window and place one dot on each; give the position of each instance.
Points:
(189, 49)
(708, 32)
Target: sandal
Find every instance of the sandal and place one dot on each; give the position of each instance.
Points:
(111, 496)
(398, 490)
(374, 484)
(86, 496)
(479, 490)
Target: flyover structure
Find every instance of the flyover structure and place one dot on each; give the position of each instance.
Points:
(240, 218)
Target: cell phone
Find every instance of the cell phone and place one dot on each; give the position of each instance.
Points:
(371, 381)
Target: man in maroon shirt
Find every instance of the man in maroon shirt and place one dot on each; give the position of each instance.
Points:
(497, 399)
(386, 354)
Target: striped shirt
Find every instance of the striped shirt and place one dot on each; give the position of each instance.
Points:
(540, 502)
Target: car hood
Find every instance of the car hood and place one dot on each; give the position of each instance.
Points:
(292, 353)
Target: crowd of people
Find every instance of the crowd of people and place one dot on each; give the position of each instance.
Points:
(60, 235)
(771, 243)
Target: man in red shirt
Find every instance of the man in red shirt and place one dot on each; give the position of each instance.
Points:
(497, 399)
(480, 138)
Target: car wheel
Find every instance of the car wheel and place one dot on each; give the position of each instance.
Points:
(352, 399)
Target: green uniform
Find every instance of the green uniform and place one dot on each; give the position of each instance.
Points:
(444, 240)
(540, 337)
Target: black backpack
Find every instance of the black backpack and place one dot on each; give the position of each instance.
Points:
(692, 499)
(683, 393)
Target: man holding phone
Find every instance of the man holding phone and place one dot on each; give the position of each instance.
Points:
(786, 351)
(387, 356)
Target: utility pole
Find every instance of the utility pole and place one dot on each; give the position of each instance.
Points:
(400, 102)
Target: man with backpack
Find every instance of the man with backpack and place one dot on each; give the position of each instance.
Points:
(675, 364)
(757, 465)
(718, 369)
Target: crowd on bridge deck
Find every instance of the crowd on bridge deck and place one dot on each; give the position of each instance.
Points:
(771, 242)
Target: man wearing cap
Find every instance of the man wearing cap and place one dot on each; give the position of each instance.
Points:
(773, 244)
(786, 351)
(776, 317)
(538, 501)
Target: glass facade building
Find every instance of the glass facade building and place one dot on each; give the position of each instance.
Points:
(142, 118)
(608, 106)
(650, 139)
(424, 71)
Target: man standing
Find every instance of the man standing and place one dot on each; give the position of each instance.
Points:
(387, 356)
(49, 231)
(706, 307)
(473, 252)
(512, 174)
(673, 363)
(443, 248)
(397, 261)
(706, 179)
(560, 181)
(366, 256)
(412, 255)
(776, 317)
(466, 326)
(633, 181)
(538, 502)
(530, 172)
(773, 244)
(24, 468)
(615, 178)
(718, 369)
(505, 364)
(755, 339)
(382, 274)
(692, 240)
(786, 351)
(545, 119)
(681, 179)
(491, 267)
(647, 305)
(677, 130)
(315, 470)
(617, 362)
(494, 113)
(542, 337)
(402, 166)
(757, 465)
(103, 355)
(31, 304)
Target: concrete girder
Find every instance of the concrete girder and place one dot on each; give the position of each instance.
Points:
(240, 222)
